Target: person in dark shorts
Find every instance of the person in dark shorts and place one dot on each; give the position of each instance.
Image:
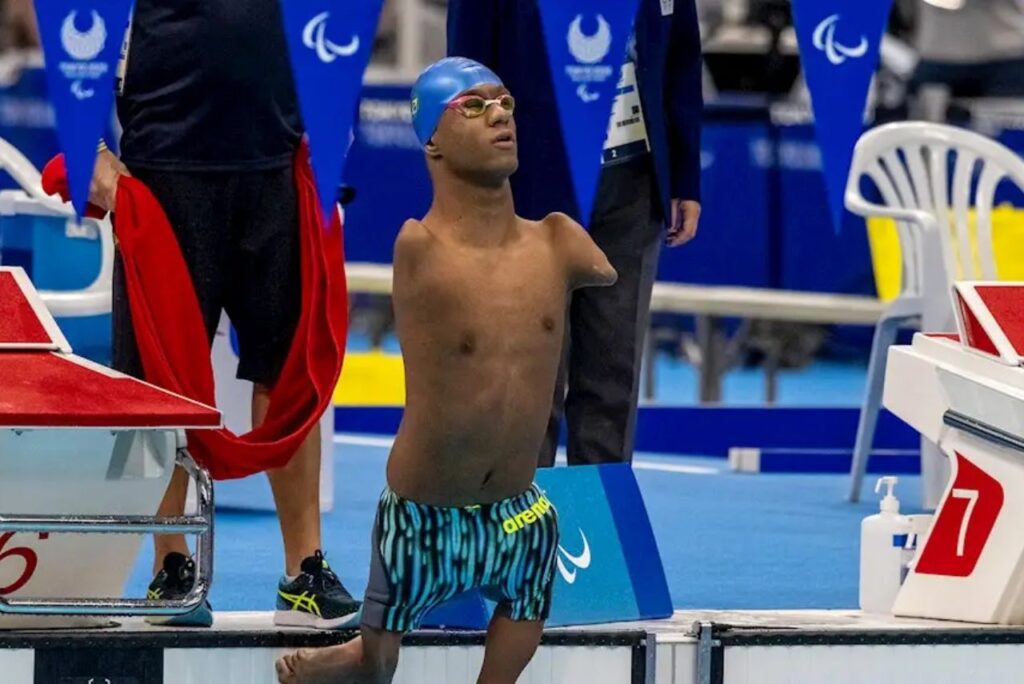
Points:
(211, 126)
(479, 297)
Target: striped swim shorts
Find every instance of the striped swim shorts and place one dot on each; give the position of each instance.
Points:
(424, 555)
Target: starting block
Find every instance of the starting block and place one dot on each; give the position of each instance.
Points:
(84, 450)
(965, 393)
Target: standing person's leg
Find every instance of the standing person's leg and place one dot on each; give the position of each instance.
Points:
(263, 303)
(196, 206)
(608, 324)
(296, 489)
(126, 360)
(263, 300)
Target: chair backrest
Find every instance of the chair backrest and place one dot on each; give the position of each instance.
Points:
(909, 163)
(93, 300)
(21, 170)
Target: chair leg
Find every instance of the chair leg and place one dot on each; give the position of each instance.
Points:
(885, 335)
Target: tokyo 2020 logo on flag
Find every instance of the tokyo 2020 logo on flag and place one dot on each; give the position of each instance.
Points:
(591, 55)
(839, 45)
(80, 66)
(81, 43)
(586, 41)
(330, 42)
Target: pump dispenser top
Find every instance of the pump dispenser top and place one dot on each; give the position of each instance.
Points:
(889, 502)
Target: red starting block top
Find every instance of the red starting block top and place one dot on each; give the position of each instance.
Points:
(990, 319)
(43, 385)
(24, 321)
(44, 389)
(1006, 304)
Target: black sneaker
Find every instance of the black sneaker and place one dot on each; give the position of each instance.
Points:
(174, 582)
(316, 598)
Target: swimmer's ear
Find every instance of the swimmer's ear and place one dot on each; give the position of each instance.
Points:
(432, 150)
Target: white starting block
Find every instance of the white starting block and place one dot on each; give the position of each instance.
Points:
(84, 450)
(965, 392)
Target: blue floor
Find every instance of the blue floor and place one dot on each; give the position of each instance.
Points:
(727, 541)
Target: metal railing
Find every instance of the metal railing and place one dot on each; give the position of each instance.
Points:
(200, 524)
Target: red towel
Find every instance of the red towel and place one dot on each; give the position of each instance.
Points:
(172, 336)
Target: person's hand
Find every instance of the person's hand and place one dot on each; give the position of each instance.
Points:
(103, 188)
(685, 217)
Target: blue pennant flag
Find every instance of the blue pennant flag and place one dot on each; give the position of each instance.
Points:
(330, 43)
(82, 42)
(586, 41)
(839, 45)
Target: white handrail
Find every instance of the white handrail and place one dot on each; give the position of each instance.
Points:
(715, 300)
(97, 297)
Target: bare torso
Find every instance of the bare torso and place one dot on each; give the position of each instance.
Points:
(481, 331)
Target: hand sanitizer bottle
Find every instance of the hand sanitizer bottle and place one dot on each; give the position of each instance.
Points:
(882, 538)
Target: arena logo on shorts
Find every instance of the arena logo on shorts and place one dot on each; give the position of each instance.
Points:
(527, 517)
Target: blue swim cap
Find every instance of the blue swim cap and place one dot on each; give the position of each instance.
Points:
(438, 85)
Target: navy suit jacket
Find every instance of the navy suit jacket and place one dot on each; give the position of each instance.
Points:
(507, 36)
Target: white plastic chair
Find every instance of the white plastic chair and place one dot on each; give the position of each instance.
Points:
(93, 300)
(909, 164)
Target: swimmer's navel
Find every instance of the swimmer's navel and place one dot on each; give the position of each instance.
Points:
(467, 344)
(548, 323)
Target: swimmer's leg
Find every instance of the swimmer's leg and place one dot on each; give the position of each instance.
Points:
(510, 647)
(368, 659)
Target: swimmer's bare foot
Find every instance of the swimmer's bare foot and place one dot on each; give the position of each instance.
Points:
(315, 666)
(285, 675)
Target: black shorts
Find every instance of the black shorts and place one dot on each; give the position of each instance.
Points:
(239, 235)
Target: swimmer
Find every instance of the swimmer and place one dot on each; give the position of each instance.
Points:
(480, 306)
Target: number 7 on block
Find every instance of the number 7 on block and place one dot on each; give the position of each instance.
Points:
(964, 522)
(972, 499)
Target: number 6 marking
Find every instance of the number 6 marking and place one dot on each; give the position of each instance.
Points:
(27, 555)
(972, 499)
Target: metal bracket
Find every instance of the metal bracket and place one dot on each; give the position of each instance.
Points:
(984, 431)
(706, 644)
(200, 524)
(651, 655)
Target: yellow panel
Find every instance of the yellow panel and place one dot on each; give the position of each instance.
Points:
(885, 257)
(371, 379)
(1007, 240)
